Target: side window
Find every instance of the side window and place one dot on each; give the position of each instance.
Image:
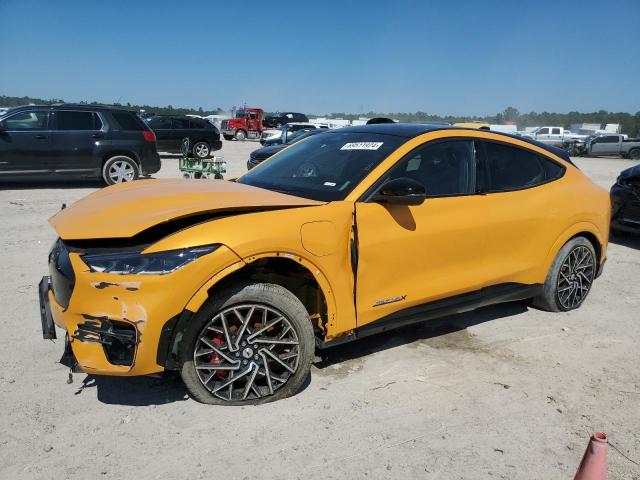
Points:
(555, 131)
(444, 168)
(128, 121)
(160, 123)
(68, 120)
(609, 139)
(36, 120)
(180, 123)
(543, 131)
(513, 168)
(196, 124)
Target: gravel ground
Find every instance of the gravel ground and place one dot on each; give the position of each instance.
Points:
(506, 391)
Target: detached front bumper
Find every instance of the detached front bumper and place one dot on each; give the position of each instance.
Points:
(114, 323)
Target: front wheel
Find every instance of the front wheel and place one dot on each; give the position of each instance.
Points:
(119, 169)
(250, 344)
(570, 277)
(240, 135)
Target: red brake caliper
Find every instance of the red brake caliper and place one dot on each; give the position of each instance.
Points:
(215, 358)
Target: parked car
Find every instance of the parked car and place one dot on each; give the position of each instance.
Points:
(282, 118)
(280, 135)
(625, 202)
(612, 145)
(352, 232)
(171, 131)
(79, 141)
(556, 136)
(261, 154)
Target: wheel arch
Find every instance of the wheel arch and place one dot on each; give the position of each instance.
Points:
(582, 229)
(114, 153)
(297, 274)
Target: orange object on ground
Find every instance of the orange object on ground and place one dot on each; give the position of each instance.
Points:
(594, 462)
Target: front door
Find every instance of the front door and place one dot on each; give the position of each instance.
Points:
(161, 126)
(606, 145)
(25, 143)
(76, 135)
(411, 255)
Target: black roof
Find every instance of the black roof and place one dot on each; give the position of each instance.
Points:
(64, 106)
(410, 130)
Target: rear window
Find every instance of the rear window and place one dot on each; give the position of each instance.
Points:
(128, 121)
(513, 168)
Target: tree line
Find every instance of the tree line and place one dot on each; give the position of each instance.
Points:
(629, 122)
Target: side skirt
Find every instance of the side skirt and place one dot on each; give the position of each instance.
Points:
(506, 292)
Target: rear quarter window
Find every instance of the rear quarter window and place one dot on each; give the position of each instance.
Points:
(513, 168)
(128, 121)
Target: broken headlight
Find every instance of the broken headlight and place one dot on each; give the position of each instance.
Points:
(128, 263)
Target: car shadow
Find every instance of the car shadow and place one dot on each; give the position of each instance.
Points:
(631, 240)
(50, 184)
(141, 391)
(417, 332)
(168, 387)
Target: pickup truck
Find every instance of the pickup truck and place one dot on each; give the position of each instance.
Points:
(556, 136)
(612, 145)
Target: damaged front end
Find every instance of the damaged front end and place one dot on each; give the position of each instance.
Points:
(113, 302)
(625, 201)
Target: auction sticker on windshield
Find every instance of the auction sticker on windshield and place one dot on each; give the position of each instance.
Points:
(362, 146)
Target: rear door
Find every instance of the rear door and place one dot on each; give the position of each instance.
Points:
(523, 213)
(76, 137)
(25, 143)
(180, 129)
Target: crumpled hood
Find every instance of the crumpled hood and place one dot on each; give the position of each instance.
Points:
(121, 211)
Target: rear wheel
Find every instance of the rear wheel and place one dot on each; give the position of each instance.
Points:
(201, 150)
(240, 135)
(119, 169)
(570, 277)
(250, 344)
(634, 154)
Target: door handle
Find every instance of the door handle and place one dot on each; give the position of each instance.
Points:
(40, 137)
(97, 135)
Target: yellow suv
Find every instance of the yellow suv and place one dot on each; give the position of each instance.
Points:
(342, 235)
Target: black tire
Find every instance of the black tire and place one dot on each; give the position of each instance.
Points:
(228, 137)
(634, 154)
(262, 295)
(119, 169)
(201, 150)
(240, 135)
(552, 297)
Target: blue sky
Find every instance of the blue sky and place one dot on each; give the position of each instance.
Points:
(459, 58)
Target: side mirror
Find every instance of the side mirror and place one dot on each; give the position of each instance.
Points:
(401, 191)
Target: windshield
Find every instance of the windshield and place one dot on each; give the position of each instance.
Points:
(240, 113)
(324, 167)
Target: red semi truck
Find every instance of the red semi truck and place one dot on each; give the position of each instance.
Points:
(246, 124)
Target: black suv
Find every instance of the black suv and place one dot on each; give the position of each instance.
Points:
(171, 131)
(79, 141)
(282, 118)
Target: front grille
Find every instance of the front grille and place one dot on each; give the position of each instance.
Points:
(62, 277)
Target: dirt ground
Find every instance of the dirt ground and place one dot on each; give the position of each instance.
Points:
(504, 392)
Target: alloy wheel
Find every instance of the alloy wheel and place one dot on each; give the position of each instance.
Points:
(201, 150)
(575, 278)
(121, 171)
(246, 352)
